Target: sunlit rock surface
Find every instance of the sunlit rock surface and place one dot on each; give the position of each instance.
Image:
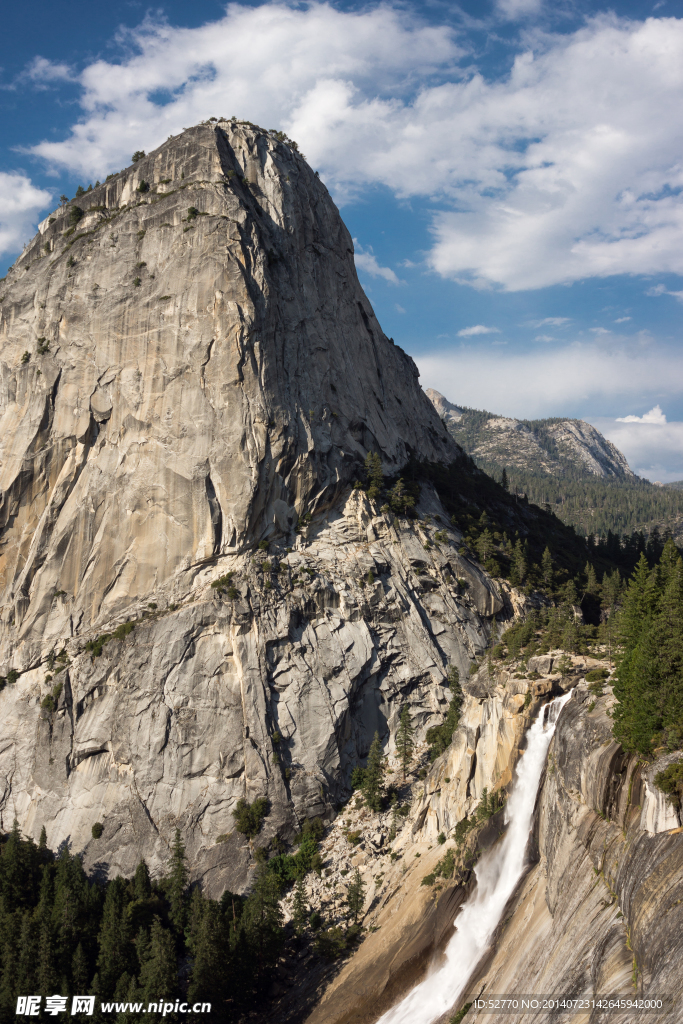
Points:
(186, 372)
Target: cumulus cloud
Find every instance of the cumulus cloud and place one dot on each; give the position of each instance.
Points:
(470, 332)
(566, 167)
(655, 415)
(654, 451)
(366, 261)
(554, 381)
(326, 76)
(20, 202)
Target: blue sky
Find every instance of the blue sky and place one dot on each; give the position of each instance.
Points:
(511, 171)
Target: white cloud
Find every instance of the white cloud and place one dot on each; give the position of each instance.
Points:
(566, 168)
(366, 261)
(654, 451)
(655, 415)
(399, 309)
(550, 321)
(544, 337)
(661, 289)
(20, 202)
(554, 381)
(469, 332)
(623, 319)
(40, 71)
(599, 330)
(315, 71)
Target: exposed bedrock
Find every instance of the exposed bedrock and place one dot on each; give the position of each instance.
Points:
(600, 911)
(188, 367)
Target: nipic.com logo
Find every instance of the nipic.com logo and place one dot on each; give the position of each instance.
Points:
(29, 1006)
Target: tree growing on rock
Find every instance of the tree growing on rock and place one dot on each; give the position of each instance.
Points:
(374, 475)
(355, 897)
(373, 779)
(300, 909)
(439, 736)
(405, 743)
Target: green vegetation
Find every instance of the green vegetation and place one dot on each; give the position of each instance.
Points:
(458, 1017)
(370, 780)
(405, 742)
(249, 817)
(97, 830)
(444, 869)
(593, 505)
(138, 155)
(439, 736)
(649, 678)
(132, 939)
(49, 703)
(670, 781)
(355, 897)
(120, 633)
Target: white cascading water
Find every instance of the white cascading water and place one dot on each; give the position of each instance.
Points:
(497, 873)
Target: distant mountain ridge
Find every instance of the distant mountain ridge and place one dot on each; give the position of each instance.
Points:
(569, 465)
(554, 446)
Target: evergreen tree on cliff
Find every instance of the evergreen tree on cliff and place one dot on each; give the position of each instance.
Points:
(373, 781)
(649, 678)
(405, 743)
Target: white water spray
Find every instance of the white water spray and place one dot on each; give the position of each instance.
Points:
(497, 873)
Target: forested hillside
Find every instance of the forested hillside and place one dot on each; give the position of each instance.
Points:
(568, 466)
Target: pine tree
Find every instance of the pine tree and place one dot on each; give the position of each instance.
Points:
(142, 885)
(262, 919)
(178, 880)
(46, 976)
(519, 568)
(300, 911)
(79, 971)
(115, 950)
(611, 590)
(374, 476)
(210, 975)
(504, 483)
(439, 736)
(373, 779)
(592, 585)
(159, 972)
(355, 897)
(28, 955)
(485, 545)
(405, 743)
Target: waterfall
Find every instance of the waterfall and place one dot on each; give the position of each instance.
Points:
(498, 874)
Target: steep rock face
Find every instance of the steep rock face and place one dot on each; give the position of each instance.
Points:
(602, 911)
(607, 885)
(203, 369)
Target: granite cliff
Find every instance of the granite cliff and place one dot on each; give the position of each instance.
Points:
(600, 910)
(190, 373)
(552, 446)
